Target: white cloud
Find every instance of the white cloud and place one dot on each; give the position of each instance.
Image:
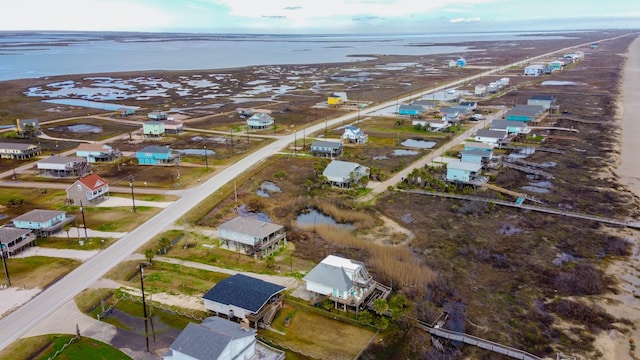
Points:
(80, 15)
(465, 20)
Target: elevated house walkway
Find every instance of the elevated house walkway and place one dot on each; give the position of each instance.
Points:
(528, 170)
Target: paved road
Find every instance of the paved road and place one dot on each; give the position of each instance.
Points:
(40, 307)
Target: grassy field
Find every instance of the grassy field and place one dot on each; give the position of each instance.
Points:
(44, 347)
(74, 244)
(38, 271)
(65, 129)
(318, 336)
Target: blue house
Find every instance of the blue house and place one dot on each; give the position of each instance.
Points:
(461, 62)
(42, 222)
(467, 172)
(410, 110)
(476, 156)
(471, 145)
(157, 155)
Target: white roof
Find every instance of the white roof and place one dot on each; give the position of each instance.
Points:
(337, 261)
(459, 165)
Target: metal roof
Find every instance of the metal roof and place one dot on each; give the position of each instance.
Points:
(459, 165)
(156, 149)
(57, 159)
(326, 144)
(38, 215)
(209, 339)
(16, 146)
(250, 226)
(340, 169)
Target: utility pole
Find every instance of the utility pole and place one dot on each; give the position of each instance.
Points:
(133, 198)
(4, 262)
(84, 223)
(206, 158)
(144, 306)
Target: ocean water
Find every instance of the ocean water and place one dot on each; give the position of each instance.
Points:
(42, 54)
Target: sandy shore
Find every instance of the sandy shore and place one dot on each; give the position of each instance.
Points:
(626, 303)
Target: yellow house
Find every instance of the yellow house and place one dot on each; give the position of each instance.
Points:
(334, 100)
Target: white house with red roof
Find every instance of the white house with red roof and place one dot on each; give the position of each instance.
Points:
(89, 190)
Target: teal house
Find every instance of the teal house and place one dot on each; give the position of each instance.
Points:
(157, 155)
(467, 172)
(472, 145)
(410, 110)
(476, 156)
(42, 222)
(526, 113)
(153, 129)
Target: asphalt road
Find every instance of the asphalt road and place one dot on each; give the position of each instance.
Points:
(14, 325)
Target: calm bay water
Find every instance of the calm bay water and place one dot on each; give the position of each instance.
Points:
(40, 54)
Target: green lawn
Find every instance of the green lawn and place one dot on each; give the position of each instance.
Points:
(44, 347)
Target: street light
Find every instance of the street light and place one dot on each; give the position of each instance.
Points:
(133, 198)
(206, 159)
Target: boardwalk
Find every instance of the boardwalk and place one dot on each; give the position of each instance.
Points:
(476, 341)
(625, 223)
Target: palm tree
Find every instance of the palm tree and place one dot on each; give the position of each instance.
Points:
(380, 306)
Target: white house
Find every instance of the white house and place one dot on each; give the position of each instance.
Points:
(243, 297)
(534, 70)
(480, 90)
(260, 121)
(219, 339)
(252, 236)
(433, 124)
(354, 134)
(344, 173)
(493, 137)
(344, 281)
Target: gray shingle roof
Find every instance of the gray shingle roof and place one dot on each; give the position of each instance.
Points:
(16, 146)
(326, 144)
(329, 275)
(57, 159)
(209, 339)
(155, 149)
(8, 234)
(243, 291)
(340, 169)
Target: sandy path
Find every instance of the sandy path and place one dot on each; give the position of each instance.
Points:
(625, 304)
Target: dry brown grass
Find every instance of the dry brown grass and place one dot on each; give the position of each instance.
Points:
(393, 264)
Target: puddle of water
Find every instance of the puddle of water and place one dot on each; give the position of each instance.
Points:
(266, 188)
(560, 83)
(535, 189)
(401, 152)
(542, 184)
(200, 152)
(242, 211)
(315, 217)
(79, 128)
(380, 157)
(420, 144)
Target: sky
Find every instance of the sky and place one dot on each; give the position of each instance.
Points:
(317, 16)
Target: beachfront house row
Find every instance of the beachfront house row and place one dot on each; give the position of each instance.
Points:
(546, 101)
(173, 126)
(27, 127)
(354, 134)
(14, 240)
(63, 166)
(97, 152)
(252, 236)
(157, 155)
(464, 172)
(245, 298)
(157, 115)
(89, 190)
(43, 222)
(346, 282)
(329, 149)
(153, 129)
(511, 127)
(18, 151)
(260, 121)
(493, 137)
(219, 339)
(343, 174)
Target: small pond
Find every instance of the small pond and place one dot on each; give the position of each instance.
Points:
(267, 188)
(417, 143)
(315, 217)
(200, 152)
